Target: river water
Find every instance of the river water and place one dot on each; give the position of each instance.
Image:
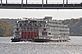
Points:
(74, 46)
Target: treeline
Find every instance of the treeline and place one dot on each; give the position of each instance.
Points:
(75, 26)
(7, 26)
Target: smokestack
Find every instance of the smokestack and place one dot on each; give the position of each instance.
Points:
(1, 2)
(66, 1)
(26, 1)
(63, 3)
(42, 2)
(6, 1)
(46, 1)
(22, 2)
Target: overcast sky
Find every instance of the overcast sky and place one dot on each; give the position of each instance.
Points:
(55, 13)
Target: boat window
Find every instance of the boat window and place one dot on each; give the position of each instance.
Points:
(49, 33)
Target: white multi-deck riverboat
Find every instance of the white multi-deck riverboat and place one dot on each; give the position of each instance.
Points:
(41, 29)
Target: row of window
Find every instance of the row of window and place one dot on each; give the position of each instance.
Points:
(57, 27)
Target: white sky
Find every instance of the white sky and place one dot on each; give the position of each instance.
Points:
(55, 13)
(39, 1)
